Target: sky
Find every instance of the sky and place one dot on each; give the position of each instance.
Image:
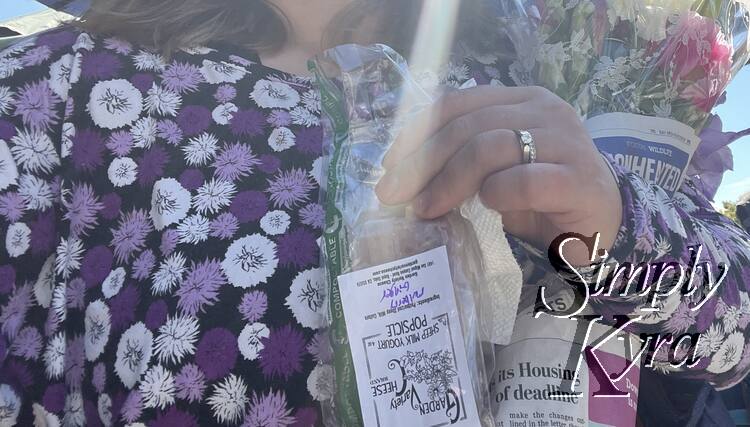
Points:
(735, 113)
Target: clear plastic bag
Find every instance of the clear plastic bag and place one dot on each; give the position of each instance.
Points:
(405, 293)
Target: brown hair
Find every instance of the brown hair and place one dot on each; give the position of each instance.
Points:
(257, 24)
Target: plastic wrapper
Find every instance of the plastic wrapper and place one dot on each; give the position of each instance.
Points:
(404, 293)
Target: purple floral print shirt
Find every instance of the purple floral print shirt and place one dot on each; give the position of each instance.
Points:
(159, 223)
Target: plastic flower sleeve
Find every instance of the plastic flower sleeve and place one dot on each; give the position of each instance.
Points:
(409, 348)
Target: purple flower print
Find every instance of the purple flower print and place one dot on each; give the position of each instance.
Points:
(123, 307)
(169, 240)
(192, 179)
(313, 215)
(27, 344)
(82, 209)
(96, 265)
(132, 407)
(143, 81)
(320, 347)
(310, 140)
(190, 383)
(247, 123)
(216, 353)
(111, 203)
(43, 233)
(74, 358)
(224, 226)
(7, 130)
(268, 410)
(99, 377)
(75, 293)
(253, 306)
(130, 235)
(279, 118)
(36, 104)
(200, 287)
(225, 93)
(87, 150)
(12, 315)
(16, 373)
(120, 143)
(305, 417)
(282, 353)
(56, 40)
(290, 188)
(249, 206)
(53, 399)
(173, 417)
(7, 278)
(297, 249)
(181, 77)
(100, 65)
(151, 165)
(12, 206)
(234, 161)
(169, 131)
(194, 119)
(36, 56)
(143, 265)
(118, 45)
(156, 315)
(269, 163)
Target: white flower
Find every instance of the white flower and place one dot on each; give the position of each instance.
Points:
(35, 191)
(83, 42)
(122, 172)
(229, 399)
(710, 341)
(223, 113)
(213, 195)
(170, 202)
(113, 283)
(157, 388)
(194, 229)
(9, 66)
(68, 132)
(54, 356)
(268, 94)
(316, 172)
(169, 274)
(281, 139)
(59, 303)
(6, 100)
(8, 169)
(221, 72)
(176, 339)
(97, 326)
(200, 149)
(74, 414)
(275, 222)
(162, 101)
(311, 100)
(144, 131)
(68, 259)
(63, 73)
(115, 103)
(728, 355)
(250, 260)
(149, 61)
(307, 298)
(133, 354)
(320, 383)
(17, 239)
(10, 406)
(731, 319)
(684, 203)
(34, 151)
(42, 418)
(303, 117)
(454, 72)
(104, 408)
(249, 340)
(45, 282)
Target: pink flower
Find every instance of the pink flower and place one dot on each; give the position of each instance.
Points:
(691, 42)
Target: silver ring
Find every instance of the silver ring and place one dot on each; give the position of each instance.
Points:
(528, 147)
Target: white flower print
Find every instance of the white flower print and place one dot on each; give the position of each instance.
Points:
(711, 340)
(10, 406)
(68, 259)
(97, 326)
(194, 229)
(17, 239)
(223, 113)
(9, 66)
(303, 117)
(176, 339)
(731, 319)
(320, 383)
(35, 191)
(83, 42)
(169, 274)
(58, 304)
(683, 202)
(198, 50)
(149, 61)
(229, 399)
(281, 139)
(163, 101)
(45, 282)
(250, 260)
(122, 172)
(200, 149)
(68, 132)
(275, 222)
(316, 172)
(54, 356)
(6, 100)
(307, 298)
(170, 202)
(115, 103)
(213, 196)
(268, 94)
(74, 414)
(157, 388)
(34, 151)
(104, 408)
(133, 354)
(43, 418)
(8, 170)
(728, 354)
(144, 131)
(249, 340)
(221, 72)
(311, 100)
(113, 283)
(63, 73)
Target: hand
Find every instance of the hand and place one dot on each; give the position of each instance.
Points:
(464, 144)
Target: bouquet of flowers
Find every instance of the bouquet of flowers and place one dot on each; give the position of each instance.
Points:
(644, 73)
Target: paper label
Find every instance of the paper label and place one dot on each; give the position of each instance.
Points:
(407, 344)
(657, 149)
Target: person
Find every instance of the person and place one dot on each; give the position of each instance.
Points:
(159, 176)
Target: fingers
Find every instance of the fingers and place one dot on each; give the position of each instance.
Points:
(539, 187)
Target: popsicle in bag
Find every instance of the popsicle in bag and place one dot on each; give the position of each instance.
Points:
(405, 294)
